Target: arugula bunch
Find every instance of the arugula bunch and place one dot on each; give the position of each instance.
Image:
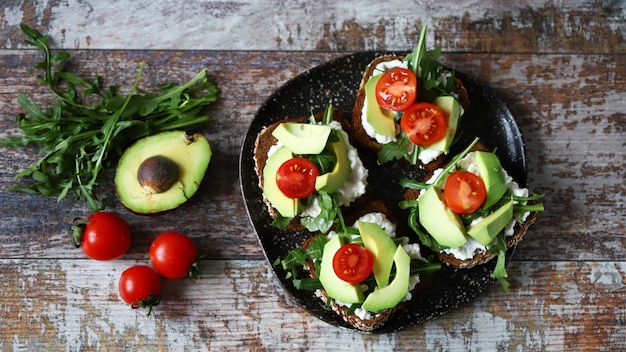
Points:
(88, 126)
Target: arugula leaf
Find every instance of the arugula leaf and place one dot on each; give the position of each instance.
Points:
(308, 284)
(499, 272)
(330, 214)
(281, 222)
(88, 126)
(421, 268)
(296, 259)
(393, 150)
(325, 161)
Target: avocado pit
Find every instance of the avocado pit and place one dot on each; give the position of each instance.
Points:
(157, 174)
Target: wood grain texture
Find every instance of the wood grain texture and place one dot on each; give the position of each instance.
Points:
(574, 140)
(65, 307)
(581, 26)
(559, 65)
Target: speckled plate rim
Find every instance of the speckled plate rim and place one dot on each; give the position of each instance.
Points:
(337, 81)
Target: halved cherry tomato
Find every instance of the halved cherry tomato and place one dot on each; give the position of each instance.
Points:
(424, 123)
(353, 263)
(464, 192)
(396, 89)
(296, 177)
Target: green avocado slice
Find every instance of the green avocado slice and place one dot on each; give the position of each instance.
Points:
(392, 294)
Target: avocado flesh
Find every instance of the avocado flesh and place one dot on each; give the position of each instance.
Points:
(287, 207)
(392, 294)
(492, 175)
(330, 182)
(382, 247)
(381, 120)
(439, 220)
(302, 138)
(452, 109)
(488, 228)
(191, 154)
(335, 287)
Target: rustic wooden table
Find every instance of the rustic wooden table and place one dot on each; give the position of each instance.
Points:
(560, 67)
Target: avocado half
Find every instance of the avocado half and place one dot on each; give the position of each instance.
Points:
(162, 171)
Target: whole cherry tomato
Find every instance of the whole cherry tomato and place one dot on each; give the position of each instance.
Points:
(174, 256)
(104, 236)
(140, 286)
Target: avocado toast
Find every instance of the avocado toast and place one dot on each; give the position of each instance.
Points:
(396, 269)
(471, 211)
(409, 107)
(341, 179)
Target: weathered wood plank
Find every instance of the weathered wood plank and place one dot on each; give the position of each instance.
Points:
(580, 26)
(557, 306)
(569, 108)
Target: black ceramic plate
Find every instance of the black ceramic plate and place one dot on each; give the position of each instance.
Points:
(337, 81)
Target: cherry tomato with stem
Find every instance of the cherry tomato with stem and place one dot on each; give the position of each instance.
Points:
(296, 178)
(396, 89)
(353, 263)
(104, 236)
(174, 255)
(140, 286)
(424, 123)
(464, 192)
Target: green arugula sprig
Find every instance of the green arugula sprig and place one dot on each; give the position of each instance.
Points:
(88, 126)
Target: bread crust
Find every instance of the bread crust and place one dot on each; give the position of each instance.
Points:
(361, 136)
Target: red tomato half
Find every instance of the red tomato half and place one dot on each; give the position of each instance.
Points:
(464, 192)
(424, 123)
(173, 255)
(396, 89)
(104, 236)
(296, 177)
(353, 263)
(140, 286)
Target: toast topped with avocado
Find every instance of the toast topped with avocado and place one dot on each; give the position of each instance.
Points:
(308, 170)
(363, 272)
(471, 211)
(409, 107)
